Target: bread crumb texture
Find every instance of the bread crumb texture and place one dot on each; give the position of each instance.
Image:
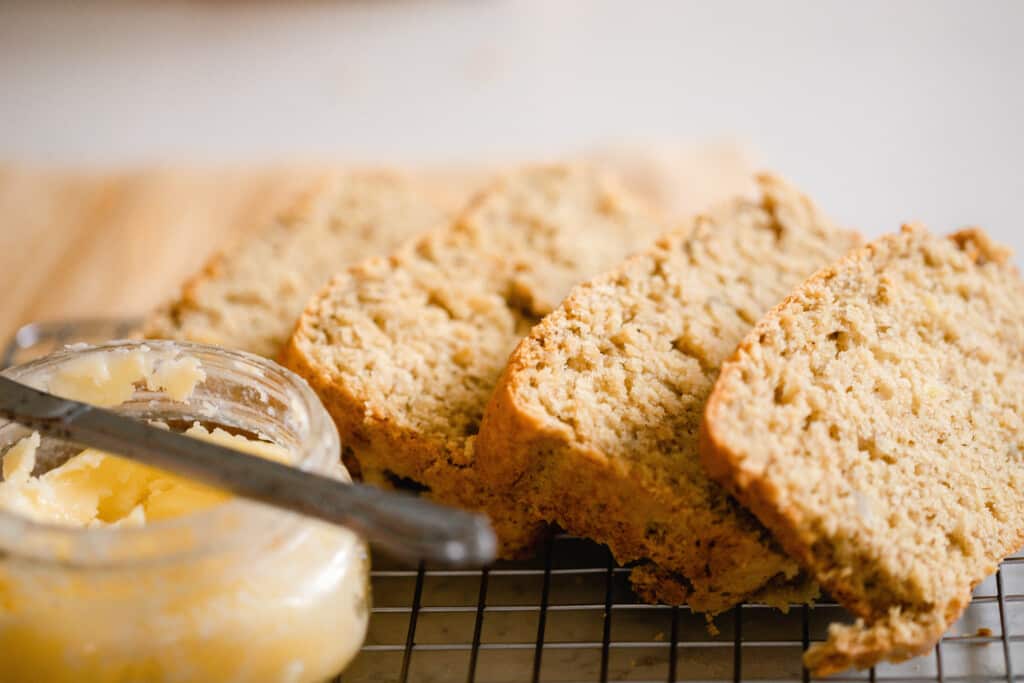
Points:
(249, 296)
(595, 422)
(873, 421)
(405, 350)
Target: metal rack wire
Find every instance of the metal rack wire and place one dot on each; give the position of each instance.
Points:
(569, 616)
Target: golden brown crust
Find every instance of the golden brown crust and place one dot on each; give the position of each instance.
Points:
(405, 350)
(374, 440)
(599, 499)
(887, 629)
(590, 422)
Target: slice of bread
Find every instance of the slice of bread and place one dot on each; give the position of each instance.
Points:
(596, 417)
(405, 351)
(249, 296)
(874, 421)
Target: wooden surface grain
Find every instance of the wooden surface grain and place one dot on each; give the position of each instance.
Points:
(80, 244)
(77, 243)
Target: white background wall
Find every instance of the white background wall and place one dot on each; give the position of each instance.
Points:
(885, 111)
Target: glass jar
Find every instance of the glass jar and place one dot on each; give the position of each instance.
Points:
(237, 592)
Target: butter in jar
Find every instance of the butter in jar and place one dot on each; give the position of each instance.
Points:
(114, 571)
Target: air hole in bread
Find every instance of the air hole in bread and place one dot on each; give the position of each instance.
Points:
(404, 483)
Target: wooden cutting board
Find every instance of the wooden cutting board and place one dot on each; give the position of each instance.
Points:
(77, 244)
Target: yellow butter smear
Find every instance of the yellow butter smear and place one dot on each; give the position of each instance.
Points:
(94, 488)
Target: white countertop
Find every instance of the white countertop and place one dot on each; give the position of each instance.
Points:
(885, 111)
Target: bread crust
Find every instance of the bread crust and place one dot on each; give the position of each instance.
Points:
(887, 629)
(426, 331)
(374, 441)
(713, 552)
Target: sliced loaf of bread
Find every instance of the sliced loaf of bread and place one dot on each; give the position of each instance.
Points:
(249, 296)
(874, 421)
(405, 350)
(595, 421)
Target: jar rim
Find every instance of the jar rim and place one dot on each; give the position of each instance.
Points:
(242, 521)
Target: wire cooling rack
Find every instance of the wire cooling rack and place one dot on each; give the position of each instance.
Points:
(569, 616)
